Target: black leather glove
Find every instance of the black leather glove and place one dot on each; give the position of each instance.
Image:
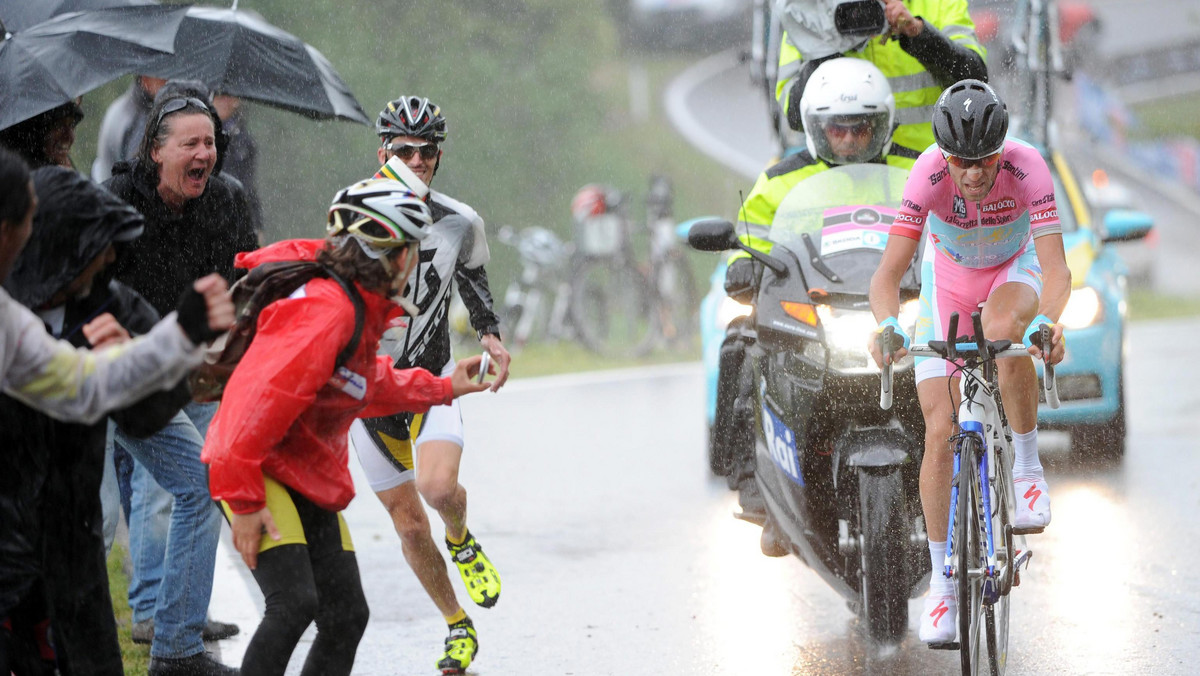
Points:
(741, 279)
(192, 315)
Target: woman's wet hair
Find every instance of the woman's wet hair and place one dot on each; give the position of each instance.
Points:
(347, 259)
(158, 123)
(28, 138)
(14, 188)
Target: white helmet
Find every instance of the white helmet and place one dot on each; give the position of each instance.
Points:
(847, 91)
(379, 213)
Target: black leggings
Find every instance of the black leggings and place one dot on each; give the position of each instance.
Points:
(302, 583)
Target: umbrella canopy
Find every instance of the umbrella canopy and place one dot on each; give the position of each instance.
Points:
(55, 61)
(238, 53)
(19, 15)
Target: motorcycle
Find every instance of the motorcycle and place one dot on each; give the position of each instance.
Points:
(838, 475)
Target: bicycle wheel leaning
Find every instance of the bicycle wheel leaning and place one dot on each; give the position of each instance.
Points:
(679, 301)
(968, 533)
(611, 308)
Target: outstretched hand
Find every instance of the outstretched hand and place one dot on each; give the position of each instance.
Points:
(462, 381)
(216, 298)
(500, 360)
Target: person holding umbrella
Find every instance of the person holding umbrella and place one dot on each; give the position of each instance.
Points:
(195, 218)
(45, 139)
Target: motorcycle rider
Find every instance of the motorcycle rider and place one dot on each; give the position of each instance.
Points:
(848, 113)
(929, 45)
(991, 234)
(411, 129)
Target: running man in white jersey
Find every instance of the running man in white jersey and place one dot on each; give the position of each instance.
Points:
(411, 130)
(986, 207)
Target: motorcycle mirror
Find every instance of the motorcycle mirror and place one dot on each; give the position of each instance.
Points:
(712, 235)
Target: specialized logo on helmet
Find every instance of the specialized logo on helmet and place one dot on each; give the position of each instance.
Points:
(967, 105)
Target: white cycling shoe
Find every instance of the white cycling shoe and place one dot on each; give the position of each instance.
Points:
(1033, 505)
(938, 619)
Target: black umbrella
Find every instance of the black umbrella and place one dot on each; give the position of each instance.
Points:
(57, 60)
(239, 53)
(18, 15)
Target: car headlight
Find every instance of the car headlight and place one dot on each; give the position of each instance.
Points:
(729, 310)
(1084, 309)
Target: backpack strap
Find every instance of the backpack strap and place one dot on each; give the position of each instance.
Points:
(360, 311)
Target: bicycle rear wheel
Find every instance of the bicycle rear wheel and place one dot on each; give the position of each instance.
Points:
(610, 307)
(968, 529)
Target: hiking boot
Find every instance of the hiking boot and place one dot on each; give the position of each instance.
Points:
(1033, 506)
(143, 632)
(200, 664)
(938, 619)
(461, 647)
(478, 573)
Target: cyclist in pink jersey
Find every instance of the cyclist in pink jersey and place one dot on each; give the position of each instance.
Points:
(985, 207)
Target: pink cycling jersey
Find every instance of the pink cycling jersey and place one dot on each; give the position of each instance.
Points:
(982, 234)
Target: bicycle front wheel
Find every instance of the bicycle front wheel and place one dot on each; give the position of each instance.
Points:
(610, 307)
(968, 533)
(996, 612)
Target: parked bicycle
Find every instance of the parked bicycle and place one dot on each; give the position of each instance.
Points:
(611, 298)
(675, 297)
(984, 552)
(536, 303)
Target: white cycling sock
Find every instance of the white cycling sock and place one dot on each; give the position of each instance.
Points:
(1026, 464)
(939, 584)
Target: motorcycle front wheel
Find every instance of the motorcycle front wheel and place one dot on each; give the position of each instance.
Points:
(883, 529)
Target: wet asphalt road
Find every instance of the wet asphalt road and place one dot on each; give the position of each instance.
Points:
(620, 556)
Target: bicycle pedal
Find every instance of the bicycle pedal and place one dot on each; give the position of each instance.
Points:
(1029, 531)
(947, 645)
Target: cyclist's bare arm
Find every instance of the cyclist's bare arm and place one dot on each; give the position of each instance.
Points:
(1056, 287)
(885, 285)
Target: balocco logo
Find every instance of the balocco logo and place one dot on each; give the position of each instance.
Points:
(1044, 215)
(908, 218)
(1002, 205)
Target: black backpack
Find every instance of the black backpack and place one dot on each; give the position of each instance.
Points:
(260, 287)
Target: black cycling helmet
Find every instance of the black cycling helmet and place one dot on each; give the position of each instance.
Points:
(412, 116)
(969, 120)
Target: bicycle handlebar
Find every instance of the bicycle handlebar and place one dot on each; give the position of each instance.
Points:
(955, 350)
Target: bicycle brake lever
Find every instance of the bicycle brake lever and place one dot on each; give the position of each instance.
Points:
(1044, 337)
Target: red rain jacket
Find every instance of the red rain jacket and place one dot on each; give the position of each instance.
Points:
(280, 414)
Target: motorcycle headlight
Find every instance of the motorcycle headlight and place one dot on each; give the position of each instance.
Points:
(729, 310)
(1084, 309)
(847, 333)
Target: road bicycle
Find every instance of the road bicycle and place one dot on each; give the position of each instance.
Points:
(984, 551)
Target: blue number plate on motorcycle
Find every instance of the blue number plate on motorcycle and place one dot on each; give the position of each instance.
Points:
(781, 441)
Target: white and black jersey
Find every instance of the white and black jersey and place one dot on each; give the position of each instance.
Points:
(455, 249)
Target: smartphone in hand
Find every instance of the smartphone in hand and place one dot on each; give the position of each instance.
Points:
(484, 364)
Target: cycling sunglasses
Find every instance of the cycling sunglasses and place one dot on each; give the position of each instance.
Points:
(176, 105)
(405, 151)
(964, 163)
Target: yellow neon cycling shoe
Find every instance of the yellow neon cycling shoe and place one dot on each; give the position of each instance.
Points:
(478, 573)
(461, 647)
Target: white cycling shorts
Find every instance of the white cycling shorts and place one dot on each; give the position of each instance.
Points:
(388, 460)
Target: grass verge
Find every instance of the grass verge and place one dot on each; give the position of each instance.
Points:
(135, 657)
(1145, 305)
(1174, 116)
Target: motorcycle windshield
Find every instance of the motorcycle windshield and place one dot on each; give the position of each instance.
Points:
(837, 222)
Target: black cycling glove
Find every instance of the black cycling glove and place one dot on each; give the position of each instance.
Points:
(741, 279)
(192, 315)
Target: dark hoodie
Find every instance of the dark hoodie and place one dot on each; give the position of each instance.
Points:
(50, 514)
